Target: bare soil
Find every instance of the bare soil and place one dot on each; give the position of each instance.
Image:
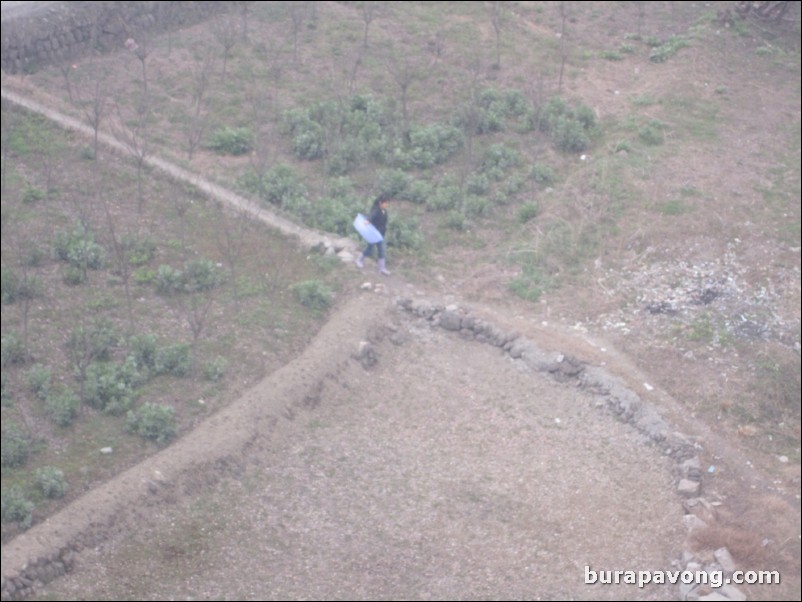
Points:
(449, 471)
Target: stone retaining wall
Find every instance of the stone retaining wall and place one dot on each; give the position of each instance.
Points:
(65, 31)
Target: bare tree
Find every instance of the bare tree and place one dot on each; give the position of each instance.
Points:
(28, 289)
(94, 104)
(167, 12)
(231, 230)
(121, 250)
(141, 51)
(436, 46)
(226, 32)
(406, 69)
(67, 70)
(261, 102)
(369, 10)
(192, 297)
(563, 51)
(134, 138)
(5, 148)
(471, 115)
(496, 18)
(641, 4)
(201, 74)
(297, 10)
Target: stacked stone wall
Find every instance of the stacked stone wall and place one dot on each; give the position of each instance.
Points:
(60, 32)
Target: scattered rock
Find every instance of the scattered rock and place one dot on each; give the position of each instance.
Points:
(688, 488)
(732, 593)
(367, 355)
(725, 559)
(693, 522)
(450, 320)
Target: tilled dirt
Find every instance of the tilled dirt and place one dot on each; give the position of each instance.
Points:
(447, 470)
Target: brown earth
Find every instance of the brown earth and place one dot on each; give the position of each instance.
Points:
(447, 470)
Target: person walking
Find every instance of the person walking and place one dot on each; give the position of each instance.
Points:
(377, 217)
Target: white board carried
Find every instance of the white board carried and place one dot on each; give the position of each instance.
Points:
(367, 230)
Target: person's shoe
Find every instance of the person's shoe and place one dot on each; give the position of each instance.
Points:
(360, 261)
(382, 269)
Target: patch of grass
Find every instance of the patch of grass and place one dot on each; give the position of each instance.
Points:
(666, 50)
(674, 207)
(313, 294)
(695, 117)
(612, 55)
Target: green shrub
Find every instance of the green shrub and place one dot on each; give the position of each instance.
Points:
(16, 446)
(39, 378)
(198, 275)
(16, 507)
(5, 394)
(31, 194)
(215, 370)
(308, 135)
(173, 359)
(51, 482)
(13, 350)
(477, 183)
(313, 294)
(530, 285)
(144, 275)
(152, 421)
(79, 249)
(201, 275)
(477, 206)
(456, 220)
(404, 233)
(528, 211)
(62, 407)
(95, 342)
(144, 348)
(651, 133)
(280, 185)
(341, 187)
(335, 215)
(140, 251)
(430, 145)
(418, 191)
(232, 141)
(32, 256)
(513, 185)
(497, 110)
(393, 182)
(111, 387)
(309, 141)
(445, 197)
(168, 280)
(75, 276)
(9, 283)
(569, 127)
(570, 136)
(501, 158)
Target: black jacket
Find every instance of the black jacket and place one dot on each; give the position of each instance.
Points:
(378, 217)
